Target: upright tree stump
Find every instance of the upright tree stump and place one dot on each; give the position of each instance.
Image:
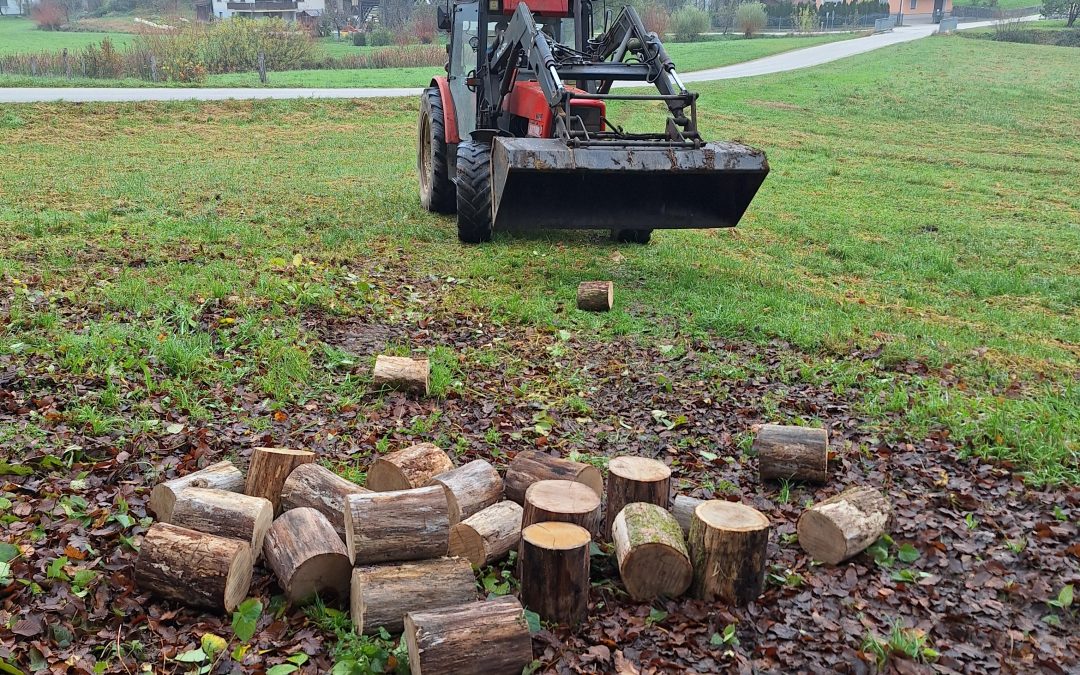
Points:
(410, 467)
(636, 479)
(307, 555)
(489, 637)
(553, 566)
(652, 556)
(400, 525)
(220, 476)
(194, 567)
(403, 374)
(226, 514)
(316, 487)
(563, 501)
(487, 536)
(470, 488)
(268, 470)
(382, 595)
(729, 549)
(843, 525)
(595, 296)
(792, 453)
(530, 466)
(682, 507)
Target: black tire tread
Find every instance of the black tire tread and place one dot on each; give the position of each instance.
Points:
(443, 197)
(474, 192)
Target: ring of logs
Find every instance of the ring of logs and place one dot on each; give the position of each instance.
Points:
(564, 501)
(194, 567)
(470, 488)
(682, 507)
(220, 476)
(636, 479)
(843, 525)
(410, 467)
(728, 547)
(268, 470)
(307, 555)
(553, 569)
(399, 525)
(487, 536)
(402, 373)
(652, 556)
(530, 466)
(226, 514)
(489, 637)
(382, 595)
(316, 487)
(792, 453)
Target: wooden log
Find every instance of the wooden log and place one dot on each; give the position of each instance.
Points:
(682, 507)
(487, 536)
(400, 525)
(636, 479)
(194, 567)
(316, 487)
(470, 488)
(844, 525)
(595, 296)
(553, 567)
(268, 470)
(489, 637)
(226, 514)
(411, 467)
(728, 548)
(530, 466)
(652, 556)
(792, 453)
(307, 555)
(402, 373)
(220, 476)
(382, 595)
(563, 501)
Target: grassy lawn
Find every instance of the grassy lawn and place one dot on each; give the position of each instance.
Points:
(1006, 4)
(1044, 24)
(18, 35)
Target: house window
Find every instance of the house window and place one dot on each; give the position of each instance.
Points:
(913, 3)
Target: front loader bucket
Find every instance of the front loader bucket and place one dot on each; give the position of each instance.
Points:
(543, 183)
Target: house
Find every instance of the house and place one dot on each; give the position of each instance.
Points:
(290, 10)
(14, 7)
(920, 11)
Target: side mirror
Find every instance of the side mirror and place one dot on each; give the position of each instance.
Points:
(443, 18)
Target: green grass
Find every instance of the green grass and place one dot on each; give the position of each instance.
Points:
(19, 35)
(1004, 4)
(919, 203)
(1044, 24)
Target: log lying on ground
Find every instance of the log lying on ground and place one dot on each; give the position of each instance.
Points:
(400, 525)
(843, 525)
(553, 567)
(270, 468)
(470, 488)
(530, 466)
(489, 637)
(595, 296)
(307, 555)
(487, 536)
(382, 595)
(682, 507)
(226, 514)
(411, 467)
(194, 567)
(792, 453)
(636, 479)
(402, 373)
(728, 547)
(220, 476)
(652, 556)
(316, 487)
(563, 501)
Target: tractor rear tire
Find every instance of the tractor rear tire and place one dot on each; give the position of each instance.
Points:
(432, 156)
(632, 236)
(474, 214)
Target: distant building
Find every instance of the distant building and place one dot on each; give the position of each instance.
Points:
(14, 7)
(913, 11)
(290, 10)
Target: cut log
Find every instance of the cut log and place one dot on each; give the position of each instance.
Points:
(226, 514)
(562, 501)
(400, 525)
(530, 466)
(470, 488)
(843, 525)
(636, 479)
(595, 296)
(194, 567)
(489, 637)
(411, 467)
(487, 536)
(316, 487)
(682, 507)
(792, 453)
(220, 476)
(268, 470)
(728, 548)
(402, 373)
(553, 567)
(652, 555)
(382, 595)
(307, 555)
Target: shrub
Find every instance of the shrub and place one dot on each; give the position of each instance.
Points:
(359, 38)
(804, 19)
(103, 62)
(656, 18)
(48, 15)
(689, 23)
(230, 46)
(403, 38)
(424, 27)
(750, 18)
(380, 37)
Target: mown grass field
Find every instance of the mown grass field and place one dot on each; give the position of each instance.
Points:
(921, 213)
(20, 35)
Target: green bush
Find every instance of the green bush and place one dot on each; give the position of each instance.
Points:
(689, 23)
(230, 46)
(380, 37)
(750, 18)
(359, 38)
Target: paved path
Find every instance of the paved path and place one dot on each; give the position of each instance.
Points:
(793, 60)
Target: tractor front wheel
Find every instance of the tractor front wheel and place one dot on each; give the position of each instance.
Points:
(474, 213)
(432, 158)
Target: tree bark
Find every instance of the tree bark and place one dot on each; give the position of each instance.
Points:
(225, 514)
(194, 567)
(636, 479)
(553, 568)
(844, 525)
(220, 476)
(487, 536)
(268, 470)
(307, 555)
(792, 453)
(652, 555)
(728, 548)
(470, 488)
(489, 637)
(682, 507)
(411, 467)
(595, 296)
(403, 374)
(563, 501)
(383, 594)
(400, 525)
(530, 466)
(316, 487)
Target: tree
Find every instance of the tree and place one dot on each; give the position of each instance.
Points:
(750, 18)
(1070, 9)
(689, 23)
